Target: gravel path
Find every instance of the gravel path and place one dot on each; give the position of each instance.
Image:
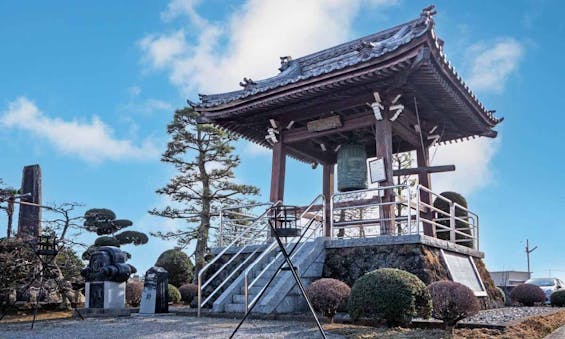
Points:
(162, 327)
(506, 314)
(176, 326)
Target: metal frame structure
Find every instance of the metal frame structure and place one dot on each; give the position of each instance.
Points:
(289, 265)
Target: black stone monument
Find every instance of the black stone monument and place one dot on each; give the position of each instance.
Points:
(154, 298)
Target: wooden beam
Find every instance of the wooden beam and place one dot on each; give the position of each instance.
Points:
(349, 123)
(407, 134)
(424, 179)
(383, 142)
(328, 191)
(423, 170)
(278, 172)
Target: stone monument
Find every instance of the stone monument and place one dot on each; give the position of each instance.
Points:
(105, 278)
(154, 298)
(29, 221)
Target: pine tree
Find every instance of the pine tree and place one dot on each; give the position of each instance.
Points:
(203, 156)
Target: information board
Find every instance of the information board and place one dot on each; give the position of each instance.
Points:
(462, 270)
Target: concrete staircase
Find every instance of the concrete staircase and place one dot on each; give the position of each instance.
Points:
(283, 296)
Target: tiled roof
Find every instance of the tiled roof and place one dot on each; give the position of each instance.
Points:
(332, 59)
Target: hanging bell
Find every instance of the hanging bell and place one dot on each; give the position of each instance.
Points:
(351, 168)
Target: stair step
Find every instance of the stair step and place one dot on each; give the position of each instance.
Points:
(240, 298)
(234, 308)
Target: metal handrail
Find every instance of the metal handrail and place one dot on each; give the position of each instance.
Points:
(386, 203)
(219, 255)
(230, 210)
(353, 220)
(248, 285)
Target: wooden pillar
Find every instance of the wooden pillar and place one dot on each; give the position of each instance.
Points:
(383, 139)
(424, 179)
(327, 191)
(278, 172)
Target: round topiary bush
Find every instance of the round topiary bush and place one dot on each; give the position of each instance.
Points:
(188, 292)
(390, 294)
(527, 294)
(452, 302)
(107, 241)
(460, 213)
(134, 288)
(558, 298)
(173, 294)
(327, 295)
(179, 266)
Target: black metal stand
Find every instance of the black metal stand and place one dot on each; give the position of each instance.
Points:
(288, 261)
(46, 258)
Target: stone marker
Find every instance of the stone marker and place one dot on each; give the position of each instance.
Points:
(29, 220)
(154, 298)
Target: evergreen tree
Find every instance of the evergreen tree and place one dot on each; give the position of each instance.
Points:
(203, 156)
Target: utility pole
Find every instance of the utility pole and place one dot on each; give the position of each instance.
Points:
(528, 251)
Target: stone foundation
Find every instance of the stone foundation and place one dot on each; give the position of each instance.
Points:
(349, 259)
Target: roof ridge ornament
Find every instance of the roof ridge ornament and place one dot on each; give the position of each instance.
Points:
(285, 62)
(365, 48)
(247, 83)
(429, 12)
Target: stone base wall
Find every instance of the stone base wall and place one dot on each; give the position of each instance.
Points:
(425, 261)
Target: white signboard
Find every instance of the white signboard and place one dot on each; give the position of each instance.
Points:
(462, 270)
(376, 168)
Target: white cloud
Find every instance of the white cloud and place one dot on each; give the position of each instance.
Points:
(250, 43)
(163, 49)
(254, 150)
(92, 141)
(493, 63)
(473, 161)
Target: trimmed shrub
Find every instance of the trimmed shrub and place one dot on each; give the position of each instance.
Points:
(133, 292)
(444, 206)
(179, 266)
(452, 302)
(558, 298)
(188, 292)
(390, 294)
(106, 241)
(527, 294)
(327, 295)
(173, 294)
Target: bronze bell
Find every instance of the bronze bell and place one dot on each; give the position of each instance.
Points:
(351, 168)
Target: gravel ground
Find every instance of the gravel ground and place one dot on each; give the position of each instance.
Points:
(163, 327)
(506, 314)
(175, 326)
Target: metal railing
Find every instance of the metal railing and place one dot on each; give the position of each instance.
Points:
(235, 219)
(315, 231)
(361, 214)
(249, 232)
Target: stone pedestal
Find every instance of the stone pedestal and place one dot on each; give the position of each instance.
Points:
(105, 294)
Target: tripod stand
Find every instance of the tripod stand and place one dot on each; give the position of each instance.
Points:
(283, 224)
(45, 250)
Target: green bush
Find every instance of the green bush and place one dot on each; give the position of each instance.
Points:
(390, 294)
(558, 298)
(327, 295)
(134, 288)
(179, 266)
(106, 241)
(188, 292)
(527, 294)
(173, 294)
(461, 226)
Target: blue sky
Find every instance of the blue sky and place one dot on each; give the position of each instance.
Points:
(86, 91)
